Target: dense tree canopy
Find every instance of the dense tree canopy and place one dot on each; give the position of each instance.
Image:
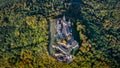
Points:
(24, 32)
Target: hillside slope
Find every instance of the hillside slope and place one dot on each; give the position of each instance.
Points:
(24, 32)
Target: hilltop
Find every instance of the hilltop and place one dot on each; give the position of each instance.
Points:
(24, 32)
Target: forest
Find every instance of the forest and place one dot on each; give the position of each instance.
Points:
(24, 32)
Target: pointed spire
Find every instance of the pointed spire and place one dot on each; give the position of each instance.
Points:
(58, 21)
(69, 21)
(64, 18)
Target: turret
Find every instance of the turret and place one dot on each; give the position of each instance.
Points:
(58, 21)
(64, 18)
(69, 22)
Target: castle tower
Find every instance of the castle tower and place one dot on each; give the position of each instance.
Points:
(64, 18)
(58, 21)
(69, 22)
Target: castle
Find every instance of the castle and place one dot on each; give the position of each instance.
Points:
(64, 32)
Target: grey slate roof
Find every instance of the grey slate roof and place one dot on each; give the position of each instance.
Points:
(64, 30)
